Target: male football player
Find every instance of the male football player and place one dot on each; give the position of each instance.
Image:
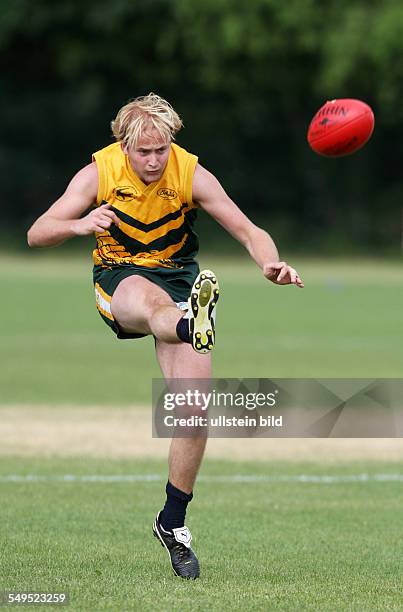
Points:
(140, 196)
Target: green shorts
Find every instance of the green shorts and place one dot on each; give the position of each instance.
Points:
(177, 282)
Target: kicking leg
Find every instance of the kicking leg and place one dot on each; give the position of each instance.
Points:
(140, 306)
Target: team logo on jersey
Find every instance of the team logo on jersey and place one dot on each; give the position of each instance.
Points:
(167, 194)
(124, 194)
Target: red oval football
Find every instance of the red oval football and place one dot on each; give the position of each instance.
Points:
(341, 127)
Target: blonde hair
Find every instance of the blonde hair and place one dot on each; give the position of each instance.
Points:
(141, 115)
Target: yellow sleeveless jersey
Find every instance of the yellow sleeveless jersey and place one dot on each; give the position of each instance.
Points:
(156, 220)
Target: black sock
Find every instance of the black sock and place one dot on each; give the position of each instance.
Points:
(182, 330)
(174, 512)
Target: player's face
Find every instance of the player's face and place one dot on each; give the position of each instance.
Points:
(149, 157)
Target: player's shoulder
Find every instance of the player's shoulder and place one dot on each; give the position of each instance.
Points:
(207, 189)
(203, 178)
(86, 179)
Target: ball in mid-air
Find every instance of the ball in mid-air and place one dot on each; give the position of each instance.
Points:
(341, 127)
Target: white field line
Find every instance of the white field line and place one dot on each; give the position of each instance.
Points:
(236, 478)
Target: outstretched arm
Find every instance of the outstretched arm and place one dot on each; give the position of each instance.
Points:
(208, 192)
(63, 219)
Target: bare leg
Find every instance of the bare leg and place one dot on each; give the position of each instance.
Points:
(185, 454)
(140, 306)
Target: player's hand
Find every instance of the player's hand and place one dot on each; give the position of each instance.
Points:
(98, 220)
(281, 273)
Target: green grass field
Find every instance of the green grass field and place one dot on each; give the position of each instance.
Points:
(262, 545)
(267, 539)
(345, 323)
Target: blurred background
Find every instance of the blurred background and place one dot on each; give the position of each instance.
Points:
(246, 78)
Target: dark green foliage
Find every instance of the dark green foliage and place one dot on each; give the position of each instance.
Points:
(246, 77)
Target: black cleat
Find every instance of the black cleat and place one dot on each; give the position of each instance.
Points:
(177, 543)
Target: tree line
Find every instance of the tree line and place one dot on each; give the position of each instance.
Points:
(245, 77)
